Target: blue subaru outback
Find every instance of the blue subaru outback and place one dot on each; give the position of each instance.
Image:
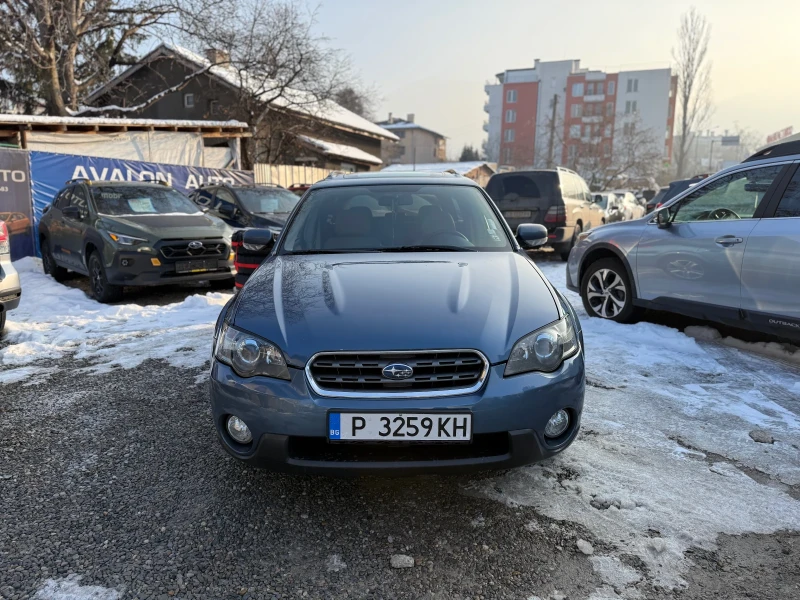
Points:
(397, 326)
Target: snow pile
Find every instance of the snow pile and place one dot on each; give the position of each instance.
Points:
(69, 588)
(785, 352)
(663, 459)
(53, 321)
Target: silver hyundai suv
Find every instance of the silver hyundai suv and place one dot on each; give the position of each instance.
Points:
(726, 250)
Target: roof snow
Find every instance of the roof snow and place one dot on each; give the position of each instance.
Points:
(341, 150)
(462, 168)
(294, 100)
(47, 120)
(407, 125)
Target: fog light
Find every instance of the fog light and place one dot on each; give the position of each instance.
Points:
(155, 262)
(557, 424)
(238, 430)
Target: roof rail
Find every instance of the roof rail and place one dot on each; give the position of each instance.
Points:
(85, 180)
(781, 149)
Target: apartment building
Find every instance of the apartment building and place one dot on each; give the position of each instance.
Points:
(546, 115)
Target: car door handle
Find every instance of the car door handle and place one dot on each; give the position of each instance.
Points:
(728, 240)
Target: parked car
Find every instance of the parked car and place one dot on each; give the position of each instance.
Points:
(135, 234)
(611, 206)
(299, 188)
(557, 198)
(397, 325)
(10, 289)
(262, 206)
(724, 250)
(16, 223)
(671, 191)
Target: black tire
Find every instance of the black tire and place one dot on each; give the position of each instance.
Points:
(575, 234)
(50, 265)
(611, 289)
(2, 320)
(102, 290)
(222, 284)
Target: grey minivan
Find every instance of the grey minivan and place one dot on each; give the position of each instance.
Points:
(557, 198)
(726, 250)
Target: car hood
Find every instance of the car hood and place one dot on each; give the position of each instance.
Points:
(410, 301)
(172, 226)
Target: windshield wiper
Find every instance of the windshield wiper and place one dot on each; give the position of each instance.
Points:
(343, 251)
(428, 248)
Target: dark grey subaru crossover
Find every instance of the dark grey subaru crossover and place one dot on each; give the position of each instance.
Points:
(396, 326)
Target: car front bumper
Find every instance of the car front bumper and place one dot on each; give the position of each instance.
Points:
(136, 269)
(289, 423)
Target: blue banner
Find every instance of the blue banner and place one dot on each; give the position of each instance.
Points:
(50, 172)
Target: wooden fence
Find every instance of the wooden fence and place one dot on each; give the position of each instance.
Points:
(286, 175)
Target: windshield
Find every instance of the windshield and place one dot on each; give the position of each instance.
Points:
(385, 218)
(145, 200)
(267, 200)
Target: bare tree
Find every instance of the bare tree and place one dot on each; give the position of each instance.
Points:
(59, 50)
(634, 152)
(693, 68)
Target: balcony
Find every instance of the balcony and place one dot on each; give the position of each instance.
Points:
(594, 98)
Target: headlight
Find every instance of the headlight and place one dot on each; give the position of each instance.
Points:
(249, 355)
(543, 350)
(584, 234)
(125, 240)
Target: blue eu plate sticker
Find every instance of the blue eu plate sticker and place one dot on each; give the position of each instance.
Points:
(334, 426)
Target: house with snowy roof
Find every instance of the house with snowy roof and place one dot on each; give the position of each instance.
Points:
(417, 144)
(290, 126)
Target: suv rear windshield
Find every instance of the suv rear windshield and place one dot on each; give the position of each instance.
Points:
(510, 186)
(385, 218)
(145, 200)
(267, 200)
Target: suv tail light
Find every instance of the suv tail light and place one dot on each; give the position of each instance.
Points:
(556, 214)
(4, 249)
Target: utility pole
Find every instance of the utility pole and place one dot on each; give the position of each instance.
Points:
(551, 143)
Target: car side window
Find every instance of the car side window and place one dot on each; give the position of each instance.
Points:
(735, 196)
(790, 202)
(224, 198)
(78, 198)
(203, 197)
(62, 200)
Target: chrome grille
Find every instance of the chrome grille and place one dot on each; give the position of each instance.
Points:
(182, 250)
(360, 374)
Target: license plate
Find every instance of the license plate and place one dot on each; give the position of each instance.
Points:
(195, 266)
(413, 427)
(517, 214)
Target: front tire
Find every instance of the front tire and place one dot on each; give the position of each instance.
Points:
(102, 290)
(50, 265)
(607, 292)
(2, 321)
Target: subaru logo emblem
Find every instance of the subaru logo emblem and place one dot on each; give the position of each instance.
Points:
(195, 245)
(397, 371)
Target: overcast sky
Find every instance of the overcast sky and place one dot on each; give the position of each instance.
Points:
(433, 57)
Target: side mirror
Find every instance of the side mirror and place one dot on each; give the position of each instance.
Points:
(71, 212)
(532, 235)
(227, 210)
(259, 240)
(663, 218)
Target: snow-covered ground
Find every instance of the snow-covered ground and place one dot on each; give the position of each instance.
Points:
(665, 460)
